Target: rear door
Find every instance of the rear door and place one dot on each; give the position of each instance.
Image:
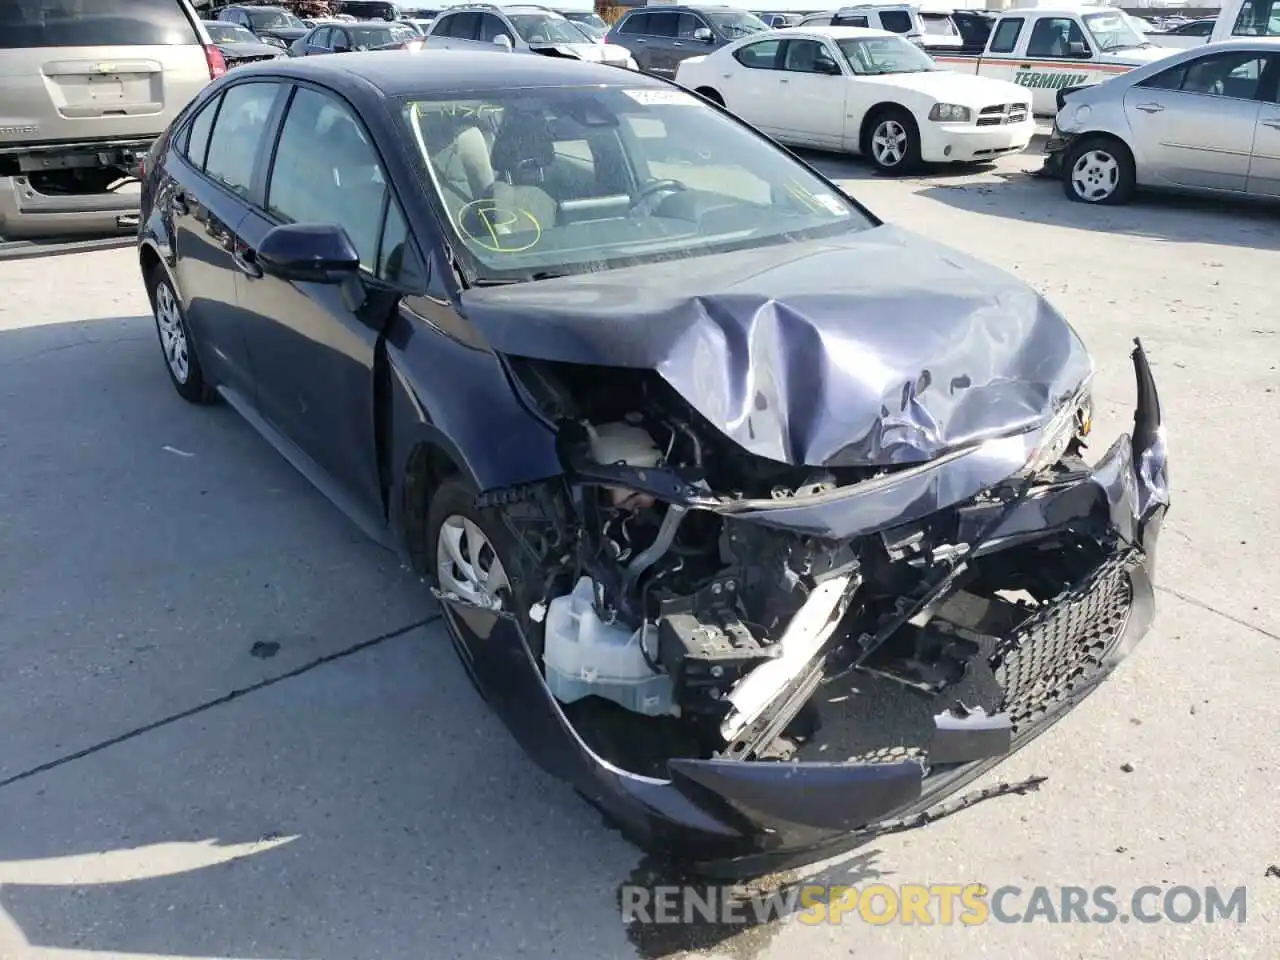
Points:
(312, 345)
(660, 37)
(118, 70)
(1194, 125)
(207, 201)
(752, 86)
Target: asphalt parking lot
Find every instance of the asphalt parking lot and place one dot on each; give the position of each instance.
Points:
(232, 727)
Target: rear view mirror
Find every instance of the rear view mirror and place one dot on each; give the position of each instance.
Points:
(1078, 48)
(503, 41)
(309, 253)
(703, 35)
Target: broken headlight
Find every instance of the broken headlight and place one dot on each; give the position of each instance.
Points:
(1070, 424)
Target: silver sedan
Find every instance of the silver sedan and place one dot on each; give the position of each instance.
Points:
(1205, 120)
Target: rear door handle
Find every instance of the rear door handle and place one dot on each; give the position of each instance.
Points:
(1150, 107)
(1273, 123)
(247, 263)
(1024, 66)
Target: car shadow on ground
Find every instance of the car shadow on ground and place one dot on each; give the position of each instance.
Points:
(1176, 219)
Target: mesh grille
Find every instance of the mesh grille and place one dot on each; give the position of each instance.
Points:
(1060, 647)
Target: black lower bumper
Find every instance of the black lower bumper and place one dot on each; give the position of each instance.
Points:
(1054, 149)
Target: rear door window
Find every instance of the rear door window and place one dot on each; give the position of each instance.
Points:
(662, 24)
(237, 135)
(100, 23)
(1006, 38)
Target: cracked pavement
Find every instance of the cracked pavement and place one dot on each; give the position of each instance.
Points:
(340, 792)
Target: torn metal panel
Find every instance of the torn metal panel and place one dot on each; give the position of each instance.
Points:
(962, 735)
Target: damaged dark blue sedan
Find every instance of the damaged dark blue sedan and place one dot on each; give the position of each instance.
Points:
(757, 520)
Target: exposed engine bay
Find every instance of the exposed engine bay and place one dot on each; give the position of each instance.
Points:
(673, 626)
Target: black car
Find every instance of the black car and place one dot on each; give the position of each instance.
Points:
(275, 25)
(660, 36)
(237, 45)
(370, 9)
(352, 37)
(731, 493)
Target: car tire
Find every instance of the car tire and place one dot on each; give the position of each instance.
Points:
(892, 142)
(707, 93)
(176, 344)
(453, 506)
(1100, 171)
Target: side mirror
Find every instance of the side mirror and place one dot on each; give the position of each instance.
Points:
(828, 67)
(503, 41)
(1078, 49)
(342, 48)
(703, 35)
(309, 253)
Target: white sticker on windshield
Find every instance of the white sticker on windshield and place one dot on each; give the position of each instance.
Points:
(829, 203)
(660, 97)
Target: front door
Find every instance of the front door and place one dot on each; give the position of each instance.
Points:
(313, 345)
(1194, 124)
(813, 87)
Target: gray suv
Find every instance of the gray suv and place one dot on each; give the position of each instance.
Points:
(659, 37)
(521, 28)
(86, 87)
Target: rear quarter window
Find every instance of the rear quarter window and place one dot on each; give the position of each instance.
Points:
(94, 23)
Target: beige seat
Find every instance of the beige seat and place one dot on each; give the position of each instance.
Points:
(523, 150)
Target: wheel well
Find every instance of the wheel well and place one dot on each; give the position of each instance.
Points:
(428, 467)
(1108, 138)
(875, 113)
(710, 93)
(148, 259)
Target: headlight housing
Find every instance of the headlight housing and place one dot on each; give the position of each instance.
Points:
(1072, 422)
(950, 113)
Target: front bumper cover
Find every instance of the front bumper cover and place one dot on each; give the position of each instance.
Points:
(735, 818)
(1055, 149)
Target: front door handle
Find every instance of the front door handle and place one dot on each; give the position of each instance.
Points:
(1150, 107)
(1024, 66)
(1273, 123)
(783, 80)
(247, 263)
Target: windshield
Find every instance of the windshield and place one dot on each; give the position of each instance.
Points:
(733, 23)
(590, 31)
(229, 33)
(363, 37)
(1113, 31)
(554, 181)
(939, 25)
(272, 19)
(881, 55)
(545, 28)
(591, 19)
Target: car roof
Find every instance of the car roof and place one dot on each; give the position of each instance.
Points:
(396, 73)
(827, 30)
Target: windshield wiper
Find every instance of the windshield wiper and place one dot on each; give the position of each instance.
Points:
(504, 281)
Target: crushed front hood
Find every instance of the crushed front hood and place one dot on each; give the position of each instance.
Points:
(873, 348)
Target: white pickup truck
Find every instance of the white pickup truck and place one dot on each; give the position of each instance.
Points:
(1052, 50)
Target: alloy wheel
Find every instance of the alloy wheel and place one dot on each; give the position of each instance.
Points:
(889, 143)
(173, 335)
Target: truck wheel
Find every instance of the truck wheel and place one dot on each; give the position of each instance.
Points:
(1099, 170)
(893, 142)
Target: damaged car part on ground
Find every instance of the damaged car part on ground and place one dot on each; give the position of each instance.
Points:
(758, 521)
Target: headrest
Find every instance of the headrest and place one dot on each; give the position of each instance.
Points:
(524, 140)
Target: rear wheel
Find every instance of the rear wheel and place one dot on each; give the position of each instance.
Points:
(176, 344)
(1099, 170)
(893, 142)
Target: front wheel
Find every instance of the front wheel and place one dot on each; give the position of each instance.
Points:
(1099, 170)
(893, 142)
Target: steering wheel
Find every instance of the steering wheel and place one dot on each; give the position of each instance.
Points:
(652, 193)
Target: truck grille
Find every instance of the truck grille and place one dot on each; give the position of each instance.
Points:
(1002, 113)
